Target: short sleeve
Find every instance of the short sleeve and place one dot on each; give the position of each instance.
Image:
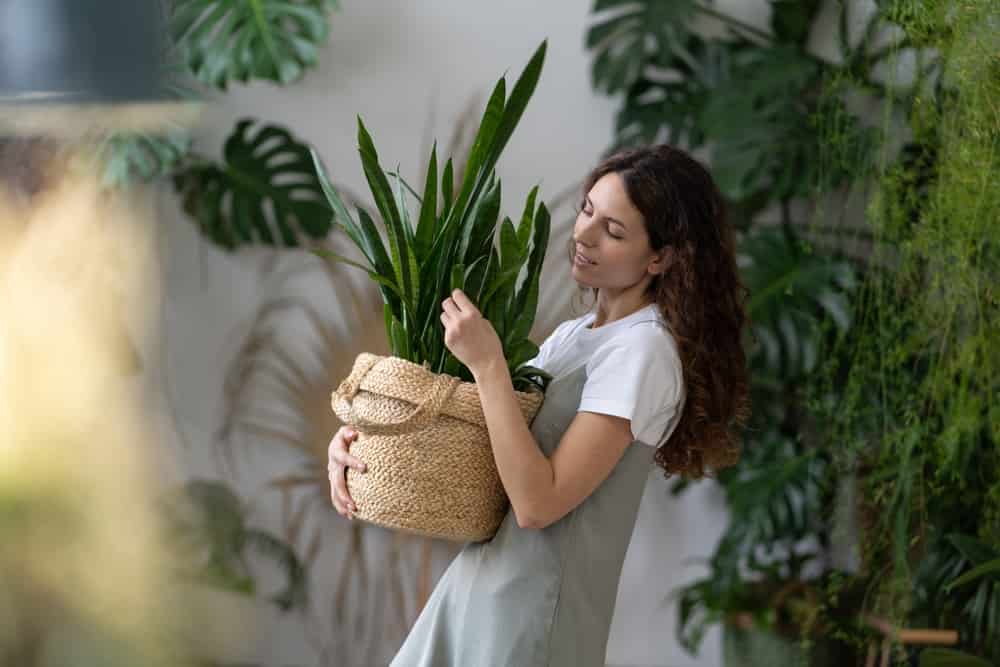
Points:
(636, 375)
(540, 360)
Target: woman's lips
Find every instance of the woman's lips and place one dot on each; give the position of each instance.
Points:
(580, 260)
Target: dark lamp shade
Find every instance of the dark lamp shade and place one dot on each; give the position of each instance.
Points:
(81, 51)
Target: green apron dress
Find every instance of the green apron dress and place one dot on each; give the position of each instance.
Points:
(530, 597)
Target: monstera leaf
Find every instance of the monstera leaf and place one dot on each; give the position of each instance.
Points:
(791, 293)
(249, 39)
(626, 39)
(774, 495)
(654, 107)
(266, 191)
(144, 157)
(755, 104)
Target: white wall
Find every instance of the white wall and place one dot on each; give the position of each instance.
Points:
(408, 69)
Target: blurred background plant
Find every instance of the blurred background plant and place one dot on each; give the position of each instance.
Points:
(870, 475)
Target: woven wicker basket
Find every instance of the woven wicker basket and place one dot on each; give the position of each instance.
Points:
(423, 437)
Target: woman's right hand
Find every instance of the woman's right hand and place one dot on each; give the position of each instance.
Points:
(339, 459)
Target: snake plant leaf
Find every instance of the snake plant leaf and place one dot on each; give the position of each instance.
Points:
(510, 248)
(380, 279)
(266, 191)
(433, 253)
(524, 226)
(523, 352)
(413, 270)
(457, 277)
(791, 294)
(341, 216)
(523, 89)
(527, 293)
(226, 40)
(478, 235)
(428, 208)
(623, 41)
(447, 189)
(487, 129)
(385, 200)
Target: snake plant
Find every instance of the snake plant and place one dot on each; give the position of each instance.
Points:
(454, 245)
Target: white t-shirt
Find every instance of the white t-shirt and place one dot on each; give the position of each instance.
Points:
(633, 369)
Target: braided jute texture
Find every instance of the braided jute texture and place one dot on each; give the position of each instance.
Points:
(424, 440)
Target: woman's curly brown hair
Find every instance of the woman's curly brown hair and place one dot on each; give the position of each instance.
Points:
(701, 297)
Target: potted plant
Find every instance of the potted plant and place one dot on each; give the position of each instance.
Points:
(422, 433)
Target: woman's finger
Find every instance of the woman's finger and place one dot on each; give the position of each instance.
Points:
(340, 486)
(463, 302)
(342, 458)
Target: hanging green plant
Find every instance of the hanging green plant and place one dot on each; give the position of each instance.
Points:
(129, 157)
(226, 40)
(266, 190)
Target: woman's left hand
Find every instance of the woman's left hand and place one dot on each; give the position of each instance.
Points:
(469, 336)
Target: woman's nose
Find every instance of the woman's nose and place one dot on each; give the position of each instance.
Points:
(584, 235)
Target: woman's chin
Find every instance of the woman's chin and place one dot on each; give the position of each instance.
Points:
(581, 277)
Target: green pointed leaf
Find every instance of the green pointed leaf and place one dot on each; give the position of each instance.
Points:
(510, 248)
(990, 567)
(386, 203)
(487, 130)
(409, 233)
(381, 280)
(457, 278)
(524, 227)
(527, 296)
(428, 208)
(447, 188)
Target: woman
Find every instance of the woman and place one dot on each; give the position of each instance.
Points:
(655, 374)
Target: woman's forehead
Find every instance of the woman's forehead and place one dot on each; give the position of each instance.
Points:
(609, 195)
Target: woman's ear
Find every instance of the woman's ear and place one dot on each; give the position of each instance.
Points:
(664, 257)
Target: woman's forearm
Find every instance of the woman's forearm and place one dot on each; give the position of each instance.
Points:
(525, 471)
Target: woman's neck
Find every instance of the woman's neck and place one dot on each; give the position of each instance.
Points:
(611, 309)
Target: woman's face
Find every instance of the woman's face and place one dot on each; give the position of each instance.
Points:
(610, 232)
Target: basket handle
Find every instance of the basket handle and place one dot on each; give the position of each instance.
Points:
(426, 411)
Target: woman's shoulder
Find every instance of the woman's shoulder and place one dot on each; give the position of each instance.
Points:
(642, 341)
